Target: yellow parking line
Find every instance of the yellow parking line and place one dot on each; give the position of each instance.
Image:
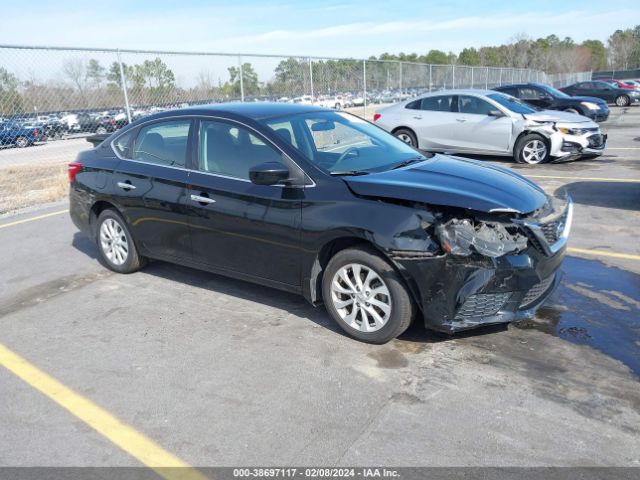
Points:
(594, 179)
(32, 219)
(603, 253)
(127, 438)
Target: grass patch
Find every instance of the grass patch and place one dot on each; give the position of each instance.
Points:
(27, 185)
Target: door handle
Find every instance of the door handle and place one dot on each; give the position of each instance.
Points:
(200, 199)
(126, 185)
(461, 119)
(418, 118)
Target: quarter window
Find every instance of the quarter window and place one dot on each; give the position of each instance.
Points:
(473, 105)
(122, 145)
(163, 143)
(231, 150)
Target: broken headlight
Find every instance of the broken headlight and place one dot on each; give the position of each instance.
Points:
(492, 239)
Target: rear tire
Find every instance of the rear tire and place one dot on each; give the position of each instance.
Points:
(407, 136)
(532, 149)
(360, 286)
(115, 243)
(622, 101)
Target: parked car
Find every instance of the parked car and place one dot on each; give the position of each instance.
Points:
(620, 96)
(324, 204)
(632, 83)
(70, 122)
(19, 135)
(616, 83)
(486, 122)
(549, 98)
(96, 123)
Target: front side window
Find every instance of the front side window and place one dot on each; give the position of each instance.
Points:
(163, 143)
(340, 143)
(438, 104)
(473, 105)
(231, 150)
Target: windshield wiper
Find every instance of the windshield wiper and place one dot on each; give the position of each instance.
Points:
(349, 173)
(409, 161)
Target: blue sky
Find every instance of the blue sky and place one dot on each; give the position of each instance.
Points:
(355, 28)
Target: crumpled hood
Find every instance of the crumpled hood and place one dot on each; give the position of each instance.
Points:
(456, 182)
(556, 116)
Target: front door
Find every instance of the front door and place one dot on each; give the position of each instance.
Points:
(476, 130)
(238, 226)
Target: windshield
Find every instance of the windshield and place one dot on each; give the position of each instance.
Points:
(554, 92)
(512, 103)
(340, 143)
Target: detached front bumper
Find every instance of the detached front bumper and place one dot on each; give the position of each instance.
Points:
(566, 147)
(458, 293)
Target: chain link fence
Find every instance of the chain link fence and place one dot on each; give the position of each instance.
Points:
(66, 93)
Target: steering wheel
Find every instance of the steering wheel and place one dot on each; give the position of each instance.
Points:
(344, 155)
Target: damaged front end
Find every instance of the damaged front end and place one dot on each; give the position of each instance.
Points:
(491, 268)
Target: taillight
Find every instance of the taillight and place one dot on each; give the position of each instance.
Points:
(113, 121)
(73, 169)
(36, 132)
(376, 116)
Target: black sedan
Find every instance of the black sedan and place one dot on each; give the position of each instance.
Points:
(620, 96)
(549, 98)
(327, 205)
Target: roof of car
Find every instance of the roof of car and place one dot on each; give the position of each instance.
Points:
(467, 91)
(254, 110)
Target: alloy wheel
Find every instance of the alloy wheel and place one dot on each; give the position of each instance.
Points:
(534, 151)
(361, 297)
(622, 101)
(113, 241)
(405, 138)
(21, 142)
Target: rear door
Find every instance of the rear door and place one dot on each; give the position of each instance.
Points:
(150, 184)
(237, 226)
(476, 130)
(434, 121)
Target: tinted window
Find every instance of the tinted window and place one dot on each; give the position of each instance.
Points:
(163, 143)
(415, 105)
(528, 93)
(437, 104)
(231, 150)
(473, 105)
(122, 145)
(584, 86)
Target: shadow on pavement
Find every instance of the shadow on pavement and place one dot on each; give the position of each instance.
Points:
(619, 195)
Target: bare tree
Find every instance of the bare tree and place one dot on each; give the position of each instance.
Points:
(76, 70)
(621, 48)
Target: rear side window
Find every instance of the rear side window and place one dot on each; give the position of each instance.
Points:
(230, 150)
(163, 143)
(528, 93)
(437, 104)
(415, 105)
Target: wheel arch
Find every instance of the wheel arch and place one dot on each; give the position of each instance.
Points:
(96, 209)
(313, 289)
(393, 132)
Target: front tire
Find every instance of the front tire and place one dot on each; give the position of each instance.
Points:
(407, 136)
(115, 243)
(365, 296)
(622, 101)
(532, 149)
(22, 142)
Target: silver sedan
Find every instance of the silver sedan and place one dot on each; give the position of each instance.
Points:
(486, 122)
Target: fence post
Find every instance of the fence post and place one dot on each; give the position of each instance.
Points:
(453, 76)
(311, 80)
(430, 76)
(500, 79)
(241, 79)
(471, 77)
(364, 86)
(486, 80)
(513, 71)
(123, 81)
(400, 78)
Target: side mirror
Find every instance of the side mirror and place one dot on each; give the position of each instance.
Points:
(495, 113)
(268, 173)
